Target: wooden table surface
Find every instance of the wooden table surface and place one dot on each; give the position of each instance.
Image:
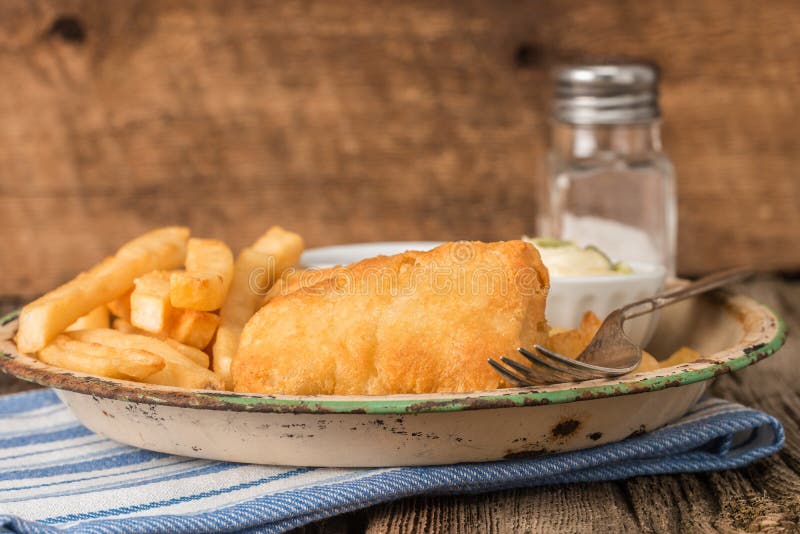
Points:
(763, 497)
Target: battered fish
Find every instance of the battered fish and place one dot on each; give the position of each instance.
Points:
(417, 322)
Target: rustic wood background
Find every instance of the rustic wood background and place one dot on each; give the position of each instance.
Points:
(365, 120)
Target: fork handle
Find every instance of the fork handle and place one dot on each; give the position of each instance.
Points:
(706, 283)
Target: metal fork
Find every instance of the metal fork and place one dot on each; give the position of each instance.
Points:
(610, 353)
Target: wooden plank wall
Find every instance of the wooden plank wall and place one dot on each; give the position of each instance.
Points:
(362, 120)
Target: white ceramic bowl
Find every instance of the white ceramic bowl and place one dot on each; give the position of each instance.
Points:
(570, 296)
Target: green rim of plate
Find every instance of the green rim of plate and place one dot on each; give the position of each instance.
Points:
(389, 404)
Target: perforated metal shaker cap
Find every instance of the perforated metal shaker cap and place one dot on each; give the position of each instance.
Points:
(606, 93)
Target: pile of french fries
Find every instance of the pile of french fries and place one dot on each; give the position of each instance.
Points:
(165, 309)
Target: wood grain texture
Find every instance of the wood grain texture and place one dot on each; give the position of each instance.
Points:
(763, 497)
(359, 120)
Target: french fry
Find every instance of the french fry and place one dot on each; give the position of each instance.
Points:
(682, 355)
(96, 359)
(179, 370)
(649, 363)
(556, 330)
(192, 327)
(225, 345)
(150, 307)
(196, 355)
(590, 323)
(256, 269)
(569, 343)
(97, 318)
(572, 342)
(121, 325)
(46, 317)
(151, 311)
(121, 306)
(205, 282)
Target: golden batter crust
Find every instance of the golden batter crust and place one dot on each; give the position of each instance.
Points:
(417, 322)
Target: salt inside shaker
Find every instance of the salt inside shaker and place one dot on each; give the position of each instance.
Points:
(609, 182)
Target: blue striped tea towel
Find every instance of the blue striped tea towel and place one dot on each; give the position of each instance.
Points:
(56, 474)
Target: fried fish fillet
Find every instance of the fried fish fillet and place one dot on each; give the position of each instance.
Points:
(417, 322)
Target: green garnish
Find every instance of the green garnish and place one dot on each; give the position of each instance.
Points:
(622, 268)
(592, 247)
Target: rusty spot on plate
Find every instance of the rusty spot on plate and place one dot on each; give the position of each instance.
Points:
(754, 348)
(638, 432)
(528, 401)
(722, 369)
(707, 360)
(565, 428)
(587, 395)
(639, 388)
(476, 403)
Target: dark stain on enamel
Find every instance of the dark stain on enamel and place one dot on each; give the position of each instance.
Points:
(638, 432)
(754, 348)
(565, 428)
(521, 455)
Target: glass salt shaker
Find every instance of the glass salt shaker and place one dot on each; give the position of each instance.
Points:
(609, 183)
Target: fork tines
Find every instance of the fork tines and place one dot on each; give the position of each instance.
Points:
(548, 368)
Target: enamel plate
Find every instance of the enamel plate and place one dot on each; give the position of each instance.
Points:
(733, 331)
